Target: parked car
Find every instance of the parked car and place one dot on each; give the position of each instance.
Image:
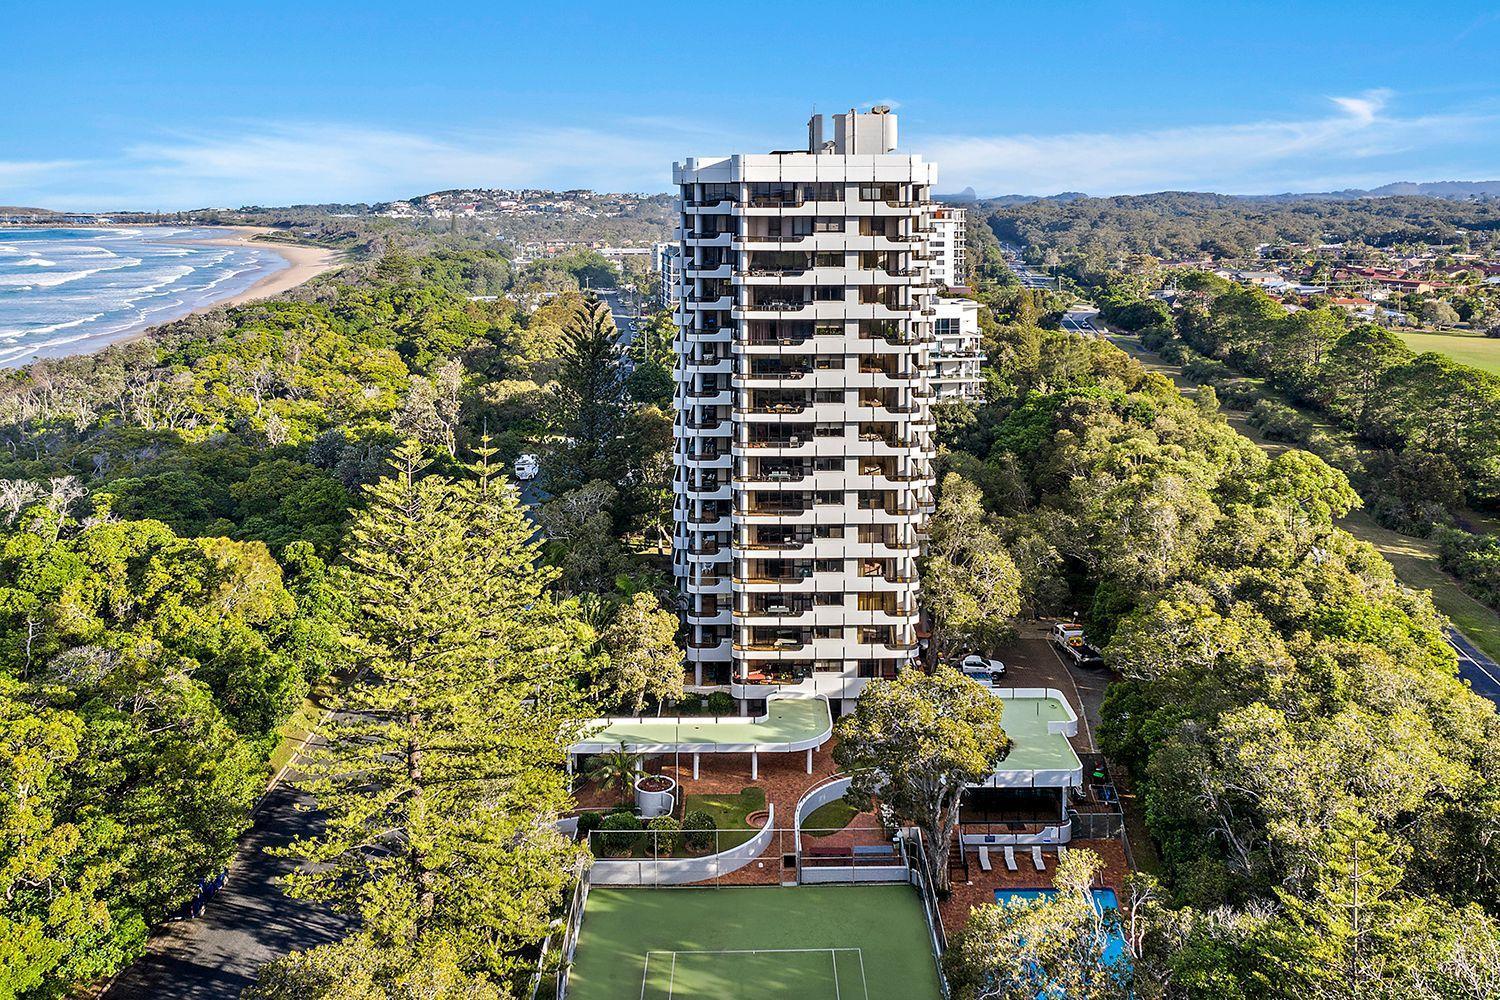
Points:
(527, 467)
(1064, 632)
(982, 668)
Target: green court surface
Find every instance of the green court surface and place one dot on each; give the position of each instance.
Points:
(1034, 748)
(754, 943)
(802, 721)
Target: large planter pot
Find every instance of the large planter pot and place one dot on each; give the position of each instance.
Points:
(654, 795)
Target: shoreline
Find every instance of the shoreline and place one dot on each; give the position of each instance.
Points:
(303, 264)
(297, 265)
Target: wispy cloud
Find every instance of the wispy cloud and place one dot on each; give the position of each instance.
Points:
(1349, 145)
(19, 173)
(1360, 140)
(278, 164)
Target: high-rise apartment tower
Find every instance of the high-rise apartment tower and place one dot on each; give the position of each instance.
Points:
(803, 433)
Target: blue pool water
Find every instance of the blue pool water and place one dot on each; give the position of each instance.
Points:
(1104, 901)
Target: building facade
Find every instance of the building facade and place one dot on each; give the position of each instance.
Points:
(950, 242)
(955, 355)
(666, 261)
(803, 438)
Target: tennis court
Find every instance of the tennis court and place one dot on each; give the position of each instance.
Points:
(754, 943)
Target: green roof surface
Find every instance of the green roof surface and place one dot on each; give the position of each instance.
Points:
(788, 720)
(1035, 749)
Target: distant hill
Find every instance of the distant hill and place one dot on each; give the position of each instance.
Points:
(1451, 190)
(962, 198)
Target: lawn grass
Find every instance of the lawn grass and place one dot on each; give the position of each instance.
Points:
(293, 731)
(1470, 349)
(829, 818)
(729, 813)
(754, 943)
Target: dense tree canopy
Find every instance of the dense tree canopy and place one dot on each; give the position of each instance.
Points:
(142, 678)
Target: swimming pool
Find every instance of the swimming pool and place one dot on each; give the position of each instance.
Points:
(1104, 901)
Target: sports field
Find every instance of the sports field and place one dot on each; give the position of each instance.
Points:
(754, 943)
(1473, 350)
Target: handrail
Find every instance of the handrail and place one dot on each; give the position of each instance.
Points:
(681, 871)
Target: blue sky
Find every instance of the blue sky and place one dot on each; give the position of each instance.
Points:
(178, 105)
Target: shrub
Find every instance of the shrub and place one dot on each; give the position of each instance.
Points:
(1202, 370)
(1474, 559)
(619, 833)
(1237, 394)
(1279, 422)
(721, 703)
(700, 827)
(690, 705)
(668, 834)
(588, 822)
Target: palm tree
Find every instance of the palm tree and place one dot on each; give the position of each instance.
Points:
(616, 769)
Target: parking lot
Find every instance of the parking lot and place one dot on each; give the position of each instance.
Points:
(1033, 661)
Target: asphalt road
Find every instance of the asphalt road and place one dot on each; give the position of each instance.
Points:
(249, 921)
(1482, 673)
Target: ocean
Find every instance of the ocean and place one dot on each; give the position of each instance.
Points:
(72, 291)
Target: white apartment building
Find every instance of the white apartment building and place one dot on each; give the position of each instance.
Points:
(803, 435)
(955, 355)
(949, 242)
(666, 261)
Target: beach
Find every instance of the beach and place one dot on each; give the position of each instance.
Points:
(303, 264)
(75, 290)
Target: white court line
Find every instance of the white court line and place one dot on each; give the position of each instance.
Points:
(832, 953)
(752, 951)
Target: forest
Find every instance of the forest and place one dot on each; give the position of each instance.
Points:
(1107, 232)
(1290, 712)
(197, 533)
(1415, 433)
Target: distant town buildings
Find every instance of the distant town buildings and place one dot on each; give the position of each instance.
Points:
(470, 203)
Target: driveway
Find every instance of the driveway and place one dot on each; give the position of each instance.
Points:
(248, 923)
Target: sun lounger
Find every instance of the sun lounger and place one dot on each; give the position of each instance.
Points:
(1036, 858)
(984, 859)
(1010, 859)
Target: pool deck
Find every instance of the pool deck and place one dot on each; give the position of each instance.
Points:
(979, 888)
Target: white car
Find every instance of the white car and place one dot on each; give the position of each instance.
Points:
(527, 467)
(982, 668)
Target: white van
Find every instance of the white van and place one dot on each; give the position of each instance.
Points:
(527, 467)
(1066, 633)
